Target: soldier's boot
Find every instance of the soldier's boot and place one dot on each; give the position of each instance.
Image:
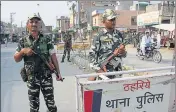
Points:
(63, 57)
(68, 59)
(51, 111)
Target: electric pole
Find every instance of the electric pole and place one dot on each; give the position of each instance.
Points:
(78, 15)
(21, 28)
(137, 18)
(11, 22)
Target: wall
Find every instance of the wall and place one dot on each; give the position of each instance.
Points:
(98, 20)
(64, 23)
(123, 20)
(154, 7)
(49, 28)
(89, 8)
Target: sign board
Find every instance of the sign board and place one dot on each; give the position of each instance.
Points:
(153, 93)
(149, 18)
(104, 3)
(172, 101)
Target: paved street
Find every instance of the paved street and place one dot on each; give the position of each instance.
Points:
(14, 92)
(133, 60)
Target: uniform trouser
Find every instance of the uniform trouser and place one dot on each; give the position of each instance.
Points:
(66, 51)
(43, 82)
(143, 49)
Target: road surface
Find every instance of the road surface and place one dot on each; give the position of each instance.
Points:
(14, 92)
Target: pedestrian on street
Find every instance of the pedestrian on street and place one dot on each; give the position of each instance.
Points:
(146, 41)
(159, 40)
(5, 40)
(105, 43)
(67, 46)
(39, 76)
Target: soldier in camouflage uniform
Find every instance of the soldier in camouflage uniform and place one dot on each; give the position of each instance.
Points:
(67, 46)
(105, 43)
(38, 74)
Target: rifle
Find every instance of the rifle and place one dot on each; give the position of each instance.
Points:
(106, 61)
(49, 65)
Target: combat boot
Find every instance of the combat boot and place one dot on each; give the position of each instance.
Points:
(68, 60)
(62, 59)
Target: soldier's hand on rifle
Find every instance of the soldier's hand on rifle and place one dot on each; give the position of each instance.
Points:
(27, 51)
(59, 78)
(120, 50)
(100, 71)
(52, 67)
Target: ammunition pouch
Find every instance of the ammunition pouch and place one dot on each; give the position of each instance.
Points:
(114, 63)
(29, 67)
(23, 74)
(29, 70)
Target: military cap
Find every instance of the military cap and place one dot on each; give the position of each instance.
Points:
(109, 14)
(34, 16)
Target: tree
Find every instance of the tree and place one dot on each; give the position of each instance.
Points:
(55, 30)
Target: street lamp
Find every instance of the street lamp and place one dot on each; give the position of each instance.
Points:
(38, 8)
(22, 31)
(137, 17)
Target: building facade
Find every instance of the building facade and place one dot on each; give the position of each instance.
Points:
(141, 6)
(126, 19)
(161, 13)
(87, 7)
(49, 28)
(63, 23)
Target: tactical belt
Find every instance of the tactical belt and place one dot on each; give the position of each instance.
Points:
(37, 69)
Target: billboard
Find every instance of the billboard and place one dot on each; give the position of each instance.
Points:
(149, 18)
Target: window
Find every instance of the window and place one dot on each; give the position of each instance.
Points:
(133, 20)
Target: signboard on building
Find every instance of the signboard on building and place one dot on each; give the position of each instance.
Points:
(150, 18)
(104, 3)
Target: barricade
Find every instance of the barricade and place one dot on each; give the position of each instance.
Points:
(149, 93)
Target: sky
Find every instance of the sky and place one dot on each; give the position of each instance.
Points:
(48, 11)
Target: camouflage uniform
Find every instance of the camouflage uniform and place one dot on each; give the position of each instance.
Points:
(67, 46)
(103, 45)
(39, 76)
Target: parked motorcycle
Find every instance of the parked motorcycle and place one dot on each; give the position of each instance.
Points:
(150, 52)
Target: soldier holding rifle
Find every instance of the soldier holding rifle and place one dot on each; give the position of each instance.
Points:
(38, 54)
(107, 46)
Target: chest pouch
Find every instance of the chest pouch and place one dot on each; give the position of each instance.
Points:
(43, 46)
